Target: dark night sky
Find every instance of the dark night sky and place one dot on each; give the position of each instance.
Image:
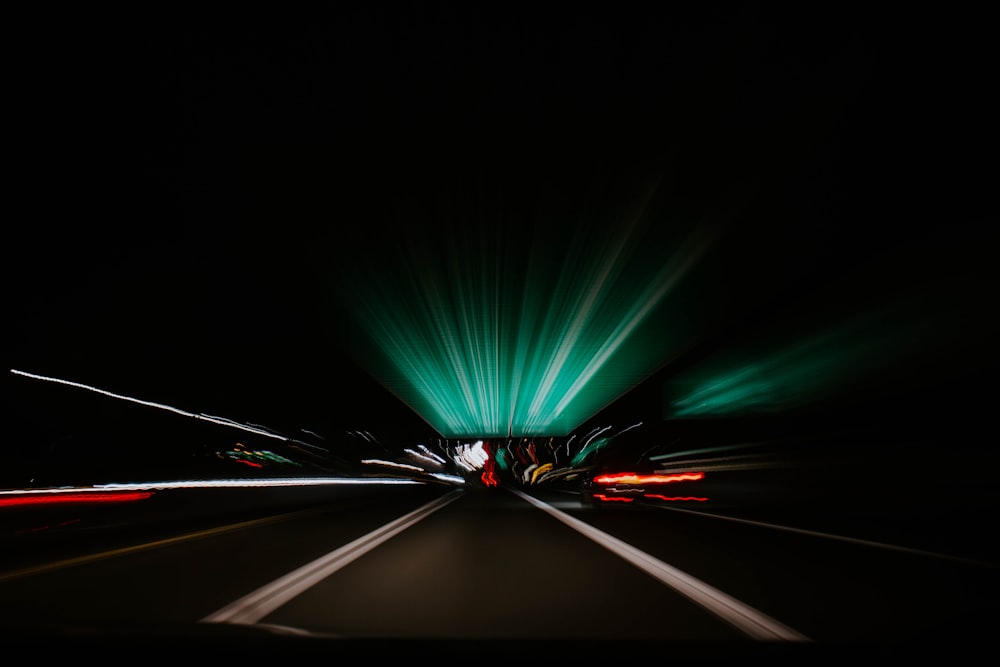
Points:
(179, 169)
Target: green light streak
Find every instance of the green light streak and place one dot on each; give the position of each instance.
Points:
(588, 449)
(640, 310)
(501, 459)
(488, 336)
(758, 379)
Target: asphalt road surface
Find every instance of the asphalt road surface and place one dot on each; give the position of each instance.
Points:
(432, 569)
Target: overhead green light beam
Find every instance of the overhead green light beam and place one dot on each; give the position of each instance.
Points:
(491, 335)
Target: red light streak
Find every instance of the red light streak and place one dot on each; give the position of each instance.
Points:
(81, 498)
(489, 476)
(610, 499)
(657, 496)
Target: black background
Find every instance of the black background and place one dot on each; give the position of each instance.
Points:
(180, 175)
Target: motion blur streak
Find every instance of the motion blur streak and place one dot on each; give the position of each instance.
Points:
(539, 471)
(216, 420)
(760, 460)
(703, 450)
(484, 344)
(613, 499)
(472, 456)
(759, 465)
(431, 454)
(207, 484)
(592, 445)
(632, 478)
(256, 605)
(78, 497)
(279, 481)
(656, 496)
(391, 464)
(772, 376)
(488, 478)
(452, 479)
(423, 458)
(754, 623)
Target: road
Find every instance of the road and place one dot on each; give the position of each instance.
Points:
(436, 568)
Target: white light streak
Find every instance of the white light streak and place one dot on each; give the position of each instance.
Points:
(216, 420)
(216, 483)
(420, 457)
(391, 464)
(431, 454)
(454, 479)
(595, 434)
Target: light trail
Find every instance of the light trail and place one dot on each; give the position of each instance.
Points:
(161, 406)
(215, 484)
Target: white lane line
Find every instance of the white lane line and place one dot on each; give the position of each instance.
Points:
(754, 623)
(256, 605)
(841, 538)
